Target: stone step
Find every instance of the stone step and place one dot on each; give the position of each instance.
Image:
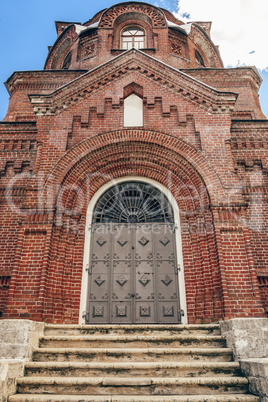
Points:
(113, 329)
(132, 385)
(131, 398)
(164, 369)
(135, 341)
(132, 354)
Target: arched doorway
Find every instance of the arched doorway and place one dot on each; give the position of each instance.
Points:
(133, 269)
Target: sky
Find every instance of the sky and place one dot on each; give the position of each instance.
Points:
(27, 28)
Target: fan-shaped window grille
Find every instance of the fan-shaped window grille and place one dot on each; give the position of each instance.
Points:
(133, 202)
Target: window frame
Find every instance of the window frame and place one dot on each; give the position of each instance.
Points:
(67, 61)
(129, 27)
(199, 60)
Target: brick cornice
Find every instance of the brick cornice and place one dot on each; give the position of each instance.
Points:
(170, 78)
(48, 80)
(249, 125)
(230, 74)
(10, 129)
(17, 126)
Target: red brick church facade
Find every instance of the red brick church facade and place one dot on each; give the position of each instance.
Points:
(69, 137)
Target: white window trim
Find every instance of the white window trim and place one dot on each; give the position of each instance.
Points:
(132, 26)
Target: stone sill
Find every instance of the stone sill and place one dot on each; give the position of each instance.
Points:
(146, 50)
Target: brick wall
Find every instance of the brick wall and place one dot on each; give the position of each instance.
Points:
(4, 287)
(63, 138)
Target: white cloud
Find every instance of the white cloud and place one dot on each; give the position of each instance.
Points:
(239, 27)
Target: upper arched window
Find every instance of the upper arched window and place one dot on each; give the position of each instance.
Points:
(133, 37)
(199, 60)
(67, 61)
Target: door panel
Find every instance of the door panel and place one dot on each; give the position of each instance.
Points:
(98, 312)
(145, 312)
(99, 274)
(121, 281)
(144, 281)
(133, 274)
(143, 241)
(167, 312)
(121, 240)
(121, 274)
(122, 312)
(164, 243)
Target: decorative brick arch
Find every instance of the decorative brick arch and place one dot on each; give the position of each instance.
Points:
(167, 143)
(114, 161)
(154, 13)
(134, 20)
(60, 48)
(205, 46)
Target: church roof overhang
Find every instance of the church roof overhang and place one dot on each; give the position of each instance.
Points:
(175, 80)
(185, 28)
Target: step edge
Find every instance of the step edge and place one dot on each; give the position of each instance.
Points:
(134, 350)
(158, 398)
(133, 364)
(138, 380)
(132, 337)
(132, 326)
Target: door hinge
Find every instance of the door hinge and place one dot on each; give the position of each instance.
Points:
(178, 269)
(180, 314)
(88, 269)
(85, 316)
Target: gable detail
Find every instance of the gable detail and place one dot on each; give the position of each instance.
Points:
(194, 91)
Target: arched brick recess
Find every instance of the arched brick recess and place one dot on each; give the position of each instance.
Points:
(164, 164)
(134, 19)
(190, 154)
(102, 165)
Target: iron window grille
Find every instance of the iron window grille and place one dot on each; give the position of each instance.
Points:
(133, 202)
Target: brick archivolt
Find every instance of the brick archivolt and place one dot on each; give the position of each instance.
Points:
(132, 159)
(111, 14)
(61, 48)
(137, 152)
(204, 43)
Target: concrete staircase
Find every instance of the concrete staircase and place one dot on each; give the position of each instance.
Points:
(130, 363)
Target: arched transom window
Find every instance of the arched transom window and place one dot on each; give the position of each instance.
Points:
(133, 202)
(133, 37)
(199, 60)
(67, 61)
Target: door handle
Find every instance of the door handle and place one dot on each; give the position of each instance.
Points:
(133, 294)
